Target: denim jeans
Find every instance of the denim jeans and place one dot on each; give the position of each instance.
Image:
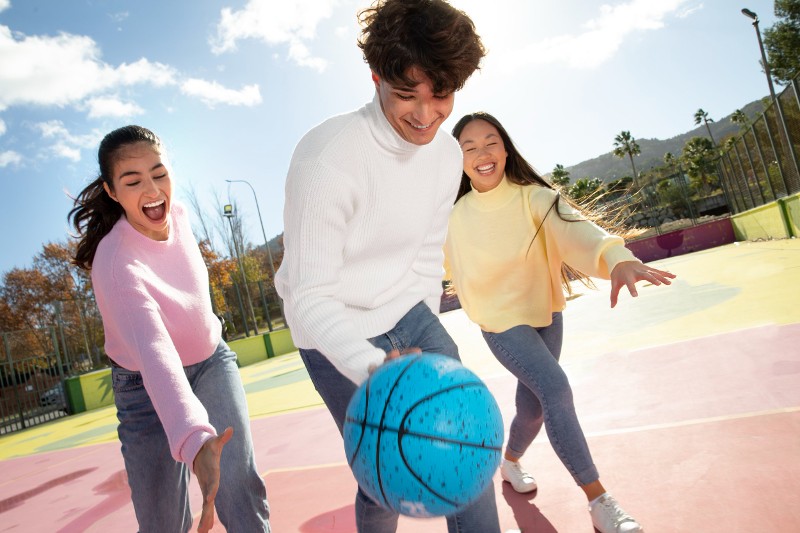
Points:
(419, 328)
(159, 484)
(543, 395)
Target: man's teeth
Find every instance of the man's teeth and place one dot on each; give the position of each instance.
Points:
(425, 127)
(154, 204)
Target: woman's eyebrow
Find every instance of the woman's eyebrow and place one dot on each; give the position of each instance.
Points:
(133, 172)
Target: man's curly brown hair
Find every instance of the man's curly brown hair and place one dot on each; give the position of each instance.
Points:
(430, 35)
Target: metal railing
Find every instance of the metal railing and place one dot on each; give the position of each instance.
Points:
(32, 376)
(761, 164)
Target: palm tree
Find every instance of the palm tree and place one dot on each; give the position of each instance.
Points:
(702, 116)
(560, 176)
(625, 144)
(699, 157)
(738, 117)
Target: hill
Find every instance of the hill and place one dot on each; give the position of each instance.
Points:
(607, 167)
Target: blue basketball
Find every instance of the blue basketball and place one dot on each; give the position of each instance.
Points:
(423, 435)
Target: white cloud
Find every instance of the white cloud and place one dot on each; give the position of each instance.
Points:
(65, 144)
(597, 41)
(2, 127)
(110, 106)
(64, 70)
(9, 157)
(4, 4)
(212, 93)
(120, 16)
(275, 23)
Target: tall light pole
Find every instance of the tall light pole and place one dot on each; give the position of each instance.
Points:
(790, 153)
(751, 15)
(264, 233)
(228, 213)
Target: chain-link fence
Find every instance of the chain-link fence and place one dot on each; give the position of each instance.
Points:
(761, 165)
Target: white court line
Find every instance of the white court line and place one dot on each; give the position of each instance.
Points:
(694, 422)
(542, 438)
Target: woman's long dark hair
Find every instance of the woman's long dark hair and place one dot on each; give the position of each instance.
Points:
(95, 212)
(519, 171)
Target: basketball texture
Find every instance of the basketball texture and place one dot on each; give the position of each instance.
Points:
(423, 435)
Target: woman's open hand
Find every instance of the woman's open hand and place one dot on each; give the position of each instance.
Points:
(628, 273)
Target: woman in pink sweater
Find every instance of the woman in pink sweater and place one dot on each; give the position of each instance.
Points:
(176, 383)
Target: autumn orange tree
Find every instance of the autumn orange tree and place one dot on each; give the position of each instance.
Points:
(219, 274)
(53, 293)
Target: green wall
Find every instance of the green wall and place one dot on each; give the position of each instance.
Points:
(93, 390)
(261, 347)
(89, 391)
(776, 220)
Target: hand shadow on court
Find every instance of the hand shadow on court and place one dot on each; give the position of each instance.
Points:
(528, 517)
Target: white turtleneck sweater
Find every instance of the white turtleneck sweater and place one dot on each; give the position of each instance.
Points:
(365, 220)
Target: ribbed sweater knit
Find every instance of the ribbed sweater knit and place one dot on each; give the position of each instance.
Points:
(156, 308)
(502, 280)
(365, 220)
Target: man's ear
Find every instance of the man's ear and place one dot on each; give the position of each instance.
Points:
(376, 79)
(109, 192)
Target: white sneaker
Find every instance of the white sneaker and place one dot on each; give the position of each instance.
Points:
(608, 517)
(512, 472)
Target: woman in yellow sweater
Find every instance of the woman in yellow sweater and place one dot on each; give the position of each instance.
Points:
(509, 236)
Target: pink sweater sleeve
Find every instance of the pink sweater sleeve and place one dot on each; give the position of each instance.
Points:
(184, 418)
(142, 315)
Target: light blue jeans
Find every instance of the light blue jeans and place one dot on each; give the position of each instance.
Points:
(543, 395)
(159, 484)
(419, 328)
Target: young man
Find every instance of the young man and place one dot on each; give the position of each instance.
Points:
(368, 195)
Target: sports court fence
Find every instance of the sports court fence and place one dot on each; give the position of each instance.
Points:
(32, 374)
(761, 165)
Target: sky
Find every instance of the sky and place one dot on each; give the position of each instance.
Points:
(230, 87)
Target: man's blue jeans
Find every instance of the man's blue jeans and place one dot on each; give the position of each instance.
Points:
(159, 484)
(419, 328)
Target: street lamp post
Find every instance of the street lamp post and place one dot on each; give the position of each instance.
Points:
(790, 153)
(751, 15)
(228, 213)
(264, 233)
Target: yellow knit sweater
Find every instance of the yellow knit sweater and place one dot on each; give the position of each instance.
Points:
(503, 280)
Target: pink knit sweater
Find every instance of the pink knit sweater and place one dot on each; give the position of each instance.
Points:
(154, 299)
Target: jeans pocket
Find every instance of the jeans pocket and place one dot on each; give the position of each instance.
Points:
(130, 396)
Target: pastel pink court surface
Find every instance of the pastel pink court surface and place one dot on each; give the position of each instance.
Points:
(689, 397)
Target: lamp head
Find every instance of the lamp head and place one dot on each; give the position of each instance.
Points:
(749, 14)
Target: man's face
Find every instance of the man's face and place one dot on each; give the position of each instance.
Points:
(415, 112)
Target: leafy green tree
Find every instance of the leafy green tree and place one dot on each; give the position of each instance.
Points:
(782, 41)
(626, 145)
(560, 176)
(585, 189)
(699, 159)
(702, 116)
(671, 195)
(738, 117)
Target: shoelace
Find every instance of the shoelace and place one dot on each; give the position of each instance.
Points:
(618, 514)
(518, 470)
